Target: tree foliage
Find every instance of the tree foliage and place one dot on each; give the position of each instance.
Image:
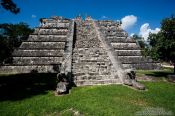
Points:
(10, 5)
(11, 36)
(163, 43)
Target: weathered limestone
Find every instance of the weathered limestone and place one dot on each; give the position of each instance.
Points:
(45, 49)
(91, 64)
(47, 38)
(14, 69)
(126, 76)
(63, 84)
(127, 50)
(39, 53)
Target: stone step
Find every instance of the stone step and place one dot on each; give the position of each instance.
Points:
(37, 60)
(48, 34)
(144, 66)
(107, 23)
(42, 45)
(115, 34)
(116, 39)
(112, 31)
(92, 76)
(29, 68)
(47, 38)
(97, 82)
(125, 46)
(51, 31)
(38, 53)
(128, 52)
(55, 25)
(58, 21)
(134, 59)
(98, 62)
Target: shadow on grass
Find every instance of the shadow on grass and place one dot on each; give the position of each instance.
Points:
(159, 73)
(20, 86)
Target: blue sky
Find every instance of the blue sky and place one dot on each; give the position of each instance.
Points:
(148, 12)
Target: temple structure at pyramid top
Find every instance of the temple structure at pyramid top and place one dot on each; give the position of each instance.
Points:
(92, 51)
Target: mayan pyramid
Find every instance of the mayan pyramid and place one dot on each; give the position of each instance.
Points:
(45, 49)
(93, 52)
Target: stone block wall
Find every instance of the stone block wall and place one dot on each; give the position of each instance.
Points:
(127, 50)
(45, 48)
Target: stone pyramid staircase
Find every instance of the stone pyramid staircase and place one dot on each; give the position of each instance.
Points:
(45, 49)
(91, 64)
(127, 50)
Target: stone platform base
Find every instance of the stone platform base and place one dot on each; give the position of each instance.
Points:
(97, 82)
(171, 78)
(29, 69)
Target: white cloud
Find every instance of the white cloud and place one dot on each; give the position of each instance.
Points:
(128, 21)
(131, 35)
(33, 16)
(145, 30)
(104, 17)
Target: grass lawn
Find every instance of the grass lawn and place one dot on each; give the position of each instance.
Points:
(34, 95)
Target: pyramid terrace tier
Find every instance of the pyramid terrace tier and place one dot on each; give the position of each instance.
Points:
(108, 27)
(134, 59)
(13, 69)
(112, 30)
(42, 45)
(112, 34)
(128, 52)
(144, 65)
(47, 38)
(56, 20)
(116, 39)
(37, 60)
(55, 25)
(38, 53)
(107, 23)
(125, 46)
(51, 31)
(83, 75)
(97, 82)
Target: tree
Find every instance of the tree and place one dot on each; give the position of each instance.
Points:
(10, 5)
(11, 36)
(163, 43)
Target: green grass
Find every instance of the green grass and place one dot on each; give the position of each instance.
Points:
(35, 97)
